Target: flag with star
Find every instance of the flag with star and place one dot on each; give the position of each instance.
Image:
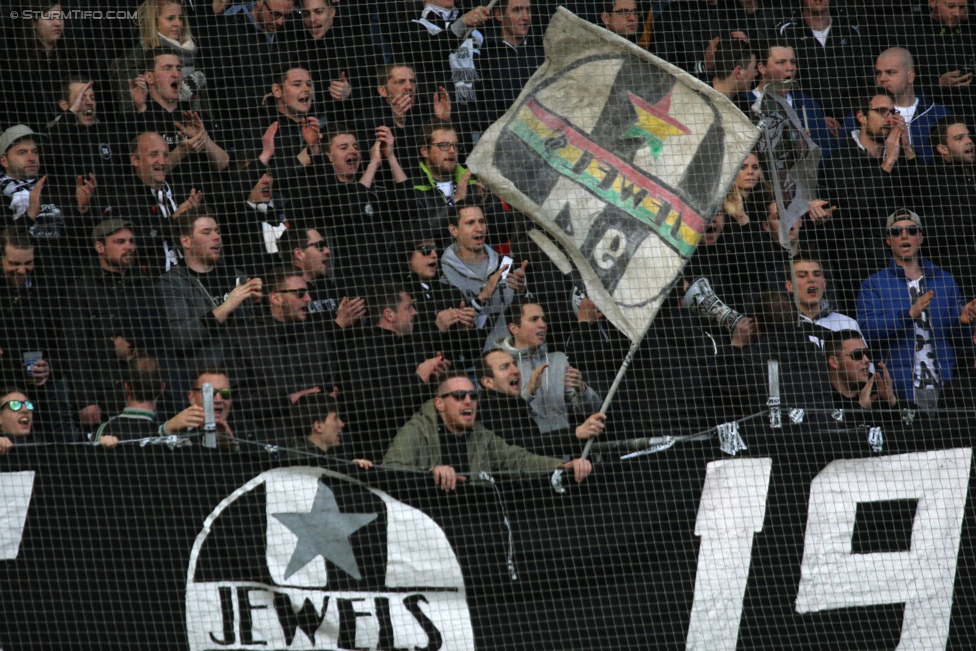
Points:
(620, 159)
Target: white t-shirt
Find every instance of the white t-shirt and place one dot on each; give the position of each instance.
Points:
(925, 374)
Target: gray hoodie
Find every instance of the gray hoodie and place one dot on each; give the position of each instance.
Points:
(491, 316)
(551, 403)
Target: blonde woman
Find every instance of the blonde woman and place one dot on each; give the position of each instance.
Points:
(749, 176)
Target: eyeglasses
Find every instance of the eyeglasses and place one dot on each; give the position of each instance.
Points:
(884, 111)
(276, 15)
(896, 231)
(320, 245)
(17, 405)
(859, 354)
(445, 146)
(223, 393)
(460, 395)
(426, 249)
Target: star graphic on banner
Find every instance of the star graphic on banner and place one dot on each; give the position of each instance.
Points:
(324, 531)
(654, 124)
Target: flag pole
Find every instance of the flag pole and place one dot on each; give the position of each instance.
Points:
(613, 387)
(467, 32)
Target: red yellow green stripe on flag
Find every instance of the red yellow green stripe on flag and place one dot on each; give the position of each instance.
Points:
(570, 153)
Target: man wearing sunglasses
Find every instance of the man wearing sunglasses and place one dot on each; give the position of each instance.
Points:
(16, 418)
(912, 312)
(444, 318)
(855, 386)
(445, 438)
(306, 251)
(286, 357)
(222, 402)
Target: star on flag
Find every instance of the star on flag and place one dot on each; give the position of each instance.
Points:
(654, 123)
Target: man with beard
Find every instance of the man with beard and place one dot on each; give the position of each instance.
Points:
(505, 405)
(114, 313)
(445, 439)
(203, 298)
(286, 358)
(444, 180)
(44, 210)
(396, 105)
(876, 170)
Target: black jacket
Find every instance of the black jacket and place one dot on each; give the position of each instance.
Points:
(276, 360)
(364, 228)
(949, 239)
(510, 418)
(97, 150)
(504, 71)
(865, 195)
(380, 387)
(107, 305)
(460, 346)
(835, 73)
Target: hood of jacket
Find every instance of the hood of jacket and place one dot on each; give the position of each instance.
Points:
(451, 261)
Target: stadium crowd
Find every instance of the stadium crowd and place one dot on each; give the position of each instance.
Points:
(271, 199)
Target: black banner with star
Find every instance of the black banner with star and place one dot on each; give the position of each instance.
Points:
(806, 540)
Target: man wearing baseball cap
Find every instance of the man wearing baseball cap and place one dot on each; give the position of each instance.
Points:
(113, 313)
(40, 208)
(913, 314)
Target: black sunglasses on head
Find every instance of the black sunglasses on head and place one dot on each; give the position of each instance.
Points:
(460, 395)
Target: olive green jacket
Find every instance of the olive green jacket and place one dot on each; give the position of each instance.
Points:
(418, 445)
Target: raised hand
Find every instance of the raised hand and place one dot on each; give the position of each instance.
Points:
(341, 89)
(268, 143)
(84, 190)
(442, 104)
